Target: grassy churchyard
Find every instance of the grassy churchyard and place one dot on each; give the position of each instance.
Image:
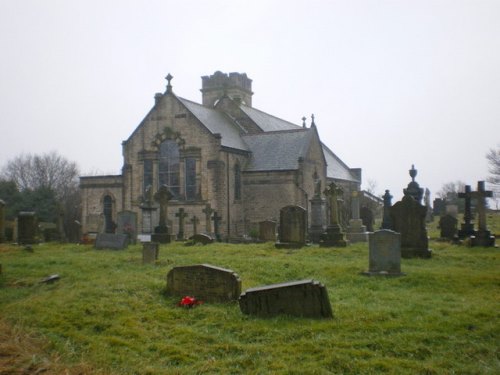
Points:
(108, 313)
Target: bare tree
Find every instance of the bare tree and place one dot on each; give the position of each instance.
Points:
(450, 190)
(493, 157)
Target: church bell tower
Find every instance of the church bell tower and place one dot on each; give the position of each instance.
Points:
(236, 86)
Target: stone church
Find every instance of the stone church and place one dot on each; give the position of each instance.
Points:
(221, 158)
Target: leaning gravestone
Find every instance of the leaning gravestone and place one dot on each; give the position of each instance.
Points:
(201, 238)
(448, 225)
(267, 230)
(292, 233)
(205, 282)
(111, 241)
(26, 228)
(306, 298)
(127, 224)
(385, 253)
(150, 251)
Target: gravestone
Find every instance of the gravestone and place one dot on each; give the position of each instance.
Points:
(2, 221)
(150, 252)
(267, 230)
(467, 227)
(483, 236)
(356, 231)
(148, 208)
(414, 190)
(127, 224)
(111, 241)
(429, 217)
(292, 233)
(181, 215)
(366, 215)
(451, 209)
(202, 238)
(448, 225)
(386, 218)
(26, 228)
(334, 235)
(208, 211)
(408, 217)
(204, 282)
(305, 298)
(162, 233)
(385, 253)
(318, 215)
(217, 220)
(195, 221)
(439, 207)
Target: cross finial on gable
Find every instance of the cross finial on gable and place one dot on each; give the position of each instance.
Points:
(304, 122)
(312, 120)
(169, 86)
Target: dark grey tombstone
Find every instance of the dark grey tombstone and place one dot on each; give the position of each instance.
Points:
(438, 206)
(150, 252)
(318, 218)
(292, 233)
(448, 225)
(111, 241)
(385, 253)
(204, 282)
(414, 190)
(386, 218)
(202, 238)
(408, 217)
(483, 236)
(2, 221)
(267, 230)
(306, 298)
(127, 224)
(26, 228)
(467, 227)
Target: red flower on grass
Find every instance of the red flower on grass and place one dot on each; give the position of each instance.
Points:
(189, 302)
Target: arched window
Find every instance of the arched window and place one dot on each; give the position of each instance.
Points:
(169, 167)
(237, 182)
(109, 226)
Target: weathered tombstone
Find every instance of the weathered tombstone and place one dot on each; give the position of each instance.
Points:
(334, 235)
(2, 221)
(429, 217)
(438, 207)
(356, 231)
(111, 241)
(483, 236)
(317, 227)
(451, 209)
(162, 234)
(26, 228)
(147, 208)
(305, 298)
(150, 252)
(366, 215)
(414, 190)
(181, 215)
(448, 225)
(292, 233)
(386, 218)
(195, 221)
(205, 282)
(467, 227)
(217, 220)
(267, 230)
(127, 224)
(408, 217)
(208, 211)
(385, 253)
(202, 238)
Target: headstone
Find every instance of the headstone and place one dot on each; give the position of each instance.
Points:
(427, 200)
(202, 238)
(439, 207)
(195, 221)
(448, 225)
(292, 233)
(147, 206)
(386, 218)
(26, 228)
(150, 252)
(267, 230)
(162, 234)
(334, 235)
(467, 227)
(127, 224)
(414, 190)
(305, 298)
(408, 217)
(483, 236)
(217, 220)
(318, 215)
(111, 241)
(451, 209)
(366, 215)
(2, 221)
(356, 231)
(204, 282)
(181, 215)
(385, 253)
(208, 211)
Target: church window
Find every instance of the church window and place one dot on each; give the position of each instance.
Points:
(109, 226)
(237, 182)
(148, 174)
(169, 167)
(190, 179)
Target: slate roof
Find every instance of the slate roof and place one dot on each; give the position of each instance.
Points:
(267, 122)
(274, 151)
(336, 168)
(217, 122)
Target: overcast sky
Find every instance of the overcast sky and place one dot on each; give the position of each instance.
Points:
(391, 83)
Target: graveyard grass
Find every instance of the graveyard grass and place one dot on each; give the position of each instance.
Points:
(108, 313)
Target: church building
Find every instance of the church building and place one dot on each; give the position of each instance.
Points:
(220, 158)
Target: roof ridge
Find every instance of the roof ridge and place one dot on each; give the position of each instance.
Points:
(274, 132)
